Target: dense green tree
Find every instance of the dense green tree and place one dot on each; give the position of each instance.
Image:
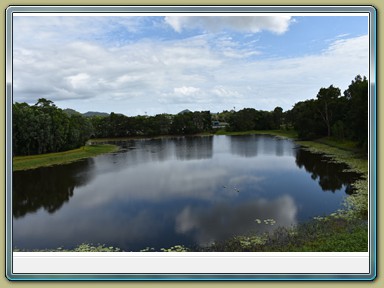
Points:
(224, 116)
(44, 128)
(330, 114)
(357, 113)
(288, 119)
(277, 117)
(251, 119)
(23, 130)
(327, 105)
(265, 120)
(79, 131)
(243, 120)
(100, 126)
(306, 120)
(161, 124)
(117, 125)
(191, 123)
(202, 120)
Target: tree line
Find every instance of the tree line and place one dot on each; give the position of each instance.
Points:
(252, 119)
(332, 114)
(118, 125)
(45, 128)
(344, 117)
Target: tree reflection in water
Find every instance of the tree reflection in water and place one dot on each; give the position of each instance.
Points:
(331, 176)
(181, 190)
(47, 187)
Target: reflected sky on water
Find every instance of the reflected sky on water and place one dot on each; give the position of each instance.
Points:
(184, 190)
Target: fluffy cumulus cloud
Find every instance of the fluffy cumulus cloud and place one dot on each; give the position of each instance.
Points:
(166, 75)
(186, 91)
(253, 24)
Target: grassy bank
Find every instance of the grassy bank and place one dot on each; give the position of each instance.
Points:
(330, 234)
(50, 159)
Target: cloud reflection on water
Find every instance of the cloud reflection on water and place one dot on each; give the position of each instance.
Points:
(224, 220)
(164, 192)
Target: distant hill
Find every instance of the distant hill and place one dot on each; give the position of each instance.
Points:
(71, 111)
(185, 111)
(93, 113)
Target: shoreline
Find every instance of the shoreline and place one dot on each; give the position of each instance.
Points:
(282, 133)
(22, 163)
(344, 230)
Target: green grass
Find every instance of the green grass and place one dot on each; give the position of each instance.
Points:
(341, 144)
(331, 234)
(50, 159)
(349, 239)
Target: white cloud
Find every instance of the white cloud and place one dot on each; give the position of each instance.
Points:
(230, 48)
(283, 82)
(223, 92)
(253, 24)
(205, 72)
(78, 80)
(186, 90)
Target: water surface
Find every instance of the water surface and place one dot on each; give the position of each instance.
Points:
(188, 191)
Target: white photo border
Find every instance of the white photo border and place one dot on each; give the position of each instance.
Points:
(23, 260)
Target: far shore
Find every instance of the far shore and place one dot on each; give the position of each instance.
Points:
(96, 146)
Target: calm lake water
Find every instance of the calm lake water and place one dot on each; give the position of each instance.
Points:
(164, 192)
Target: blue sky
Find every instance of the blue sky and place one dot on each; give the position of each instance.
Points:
(165, 64)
